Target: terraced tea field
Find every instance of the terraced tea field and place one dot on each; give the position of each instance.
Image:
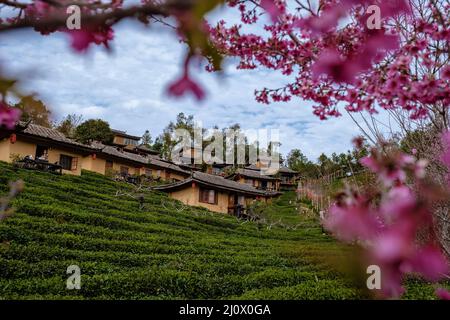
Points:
(164, 250)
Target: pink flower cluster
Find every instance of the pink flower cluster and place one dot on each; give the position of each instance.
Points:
(388, 222)
(80, 39)
(186, 85)
(8, 116)
(83, 38)
(336, 64)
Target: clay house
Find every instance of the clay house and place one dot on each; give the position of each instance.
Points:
(131, 143)
(216, 193)
(45, 145)
(288, 178)
(50, 146)
(112, 160)
(144, 150)
(123, 140)
(256, 179)
(218, 169)
(166, 170)
(187, 158)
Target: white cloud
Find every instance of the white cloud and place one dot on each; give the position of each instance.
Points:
(127, 88)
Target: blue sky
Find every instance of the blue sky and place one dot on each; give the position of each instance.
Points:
(126, 87)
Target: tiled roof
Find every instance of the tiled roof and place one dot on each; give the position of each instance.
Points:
(151, 159)
(144, 148)
(252, 167)
(256, 174)
(124, 134)
(284, 169)
(217, 182)
(51, 134)
(112, 151)
(165, 164)
(54, 135)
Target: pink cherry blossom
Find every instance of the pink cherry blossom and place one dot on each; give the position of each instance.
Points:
(332, 64)
(443, 294)
(326, 22)
(353, 220)
(392, 246)
(387, 226)
(185, 85)
(38, 8)
(445, 72)
(392, 169)
(394, 7)
(274, 8)
(83, 38)
(8, 116)
(429, 262)
(398, 201)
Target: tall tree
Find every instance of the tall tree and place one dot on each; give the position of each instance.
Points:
(297, 161)
(147, 139)
(35, 110)
(69, 124)
(168, 139)
(94, 130)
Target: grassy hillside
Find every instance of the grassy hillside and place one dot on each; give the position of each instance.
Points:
(164, 251)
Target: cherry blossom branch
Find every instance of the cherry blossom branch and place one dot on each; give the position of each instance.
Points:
(111, 17)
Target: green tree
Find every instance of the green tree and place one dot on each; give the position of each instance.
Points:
(94, 130)
(297, 161)
(147, 139)
(158, 145)
(167, 139)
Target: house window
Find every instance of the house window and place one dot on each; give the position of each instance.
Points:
(123, 170)
(130, 142)
(158, 173)
(241, 200)
(74, 164)
(68, 162)
(148, 172)
(208, 196)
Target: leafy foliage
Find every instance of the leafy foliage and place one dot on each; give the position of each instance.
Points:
(34, 110)
(94, 130)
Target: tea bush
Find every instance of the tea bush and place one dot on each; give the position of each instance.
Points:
(164, 251)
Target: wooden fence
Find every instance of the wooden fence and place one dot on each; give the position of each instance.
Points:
(318, 190)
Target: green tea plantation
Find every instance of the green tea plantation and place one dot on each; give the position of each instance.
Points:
(159, 248)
